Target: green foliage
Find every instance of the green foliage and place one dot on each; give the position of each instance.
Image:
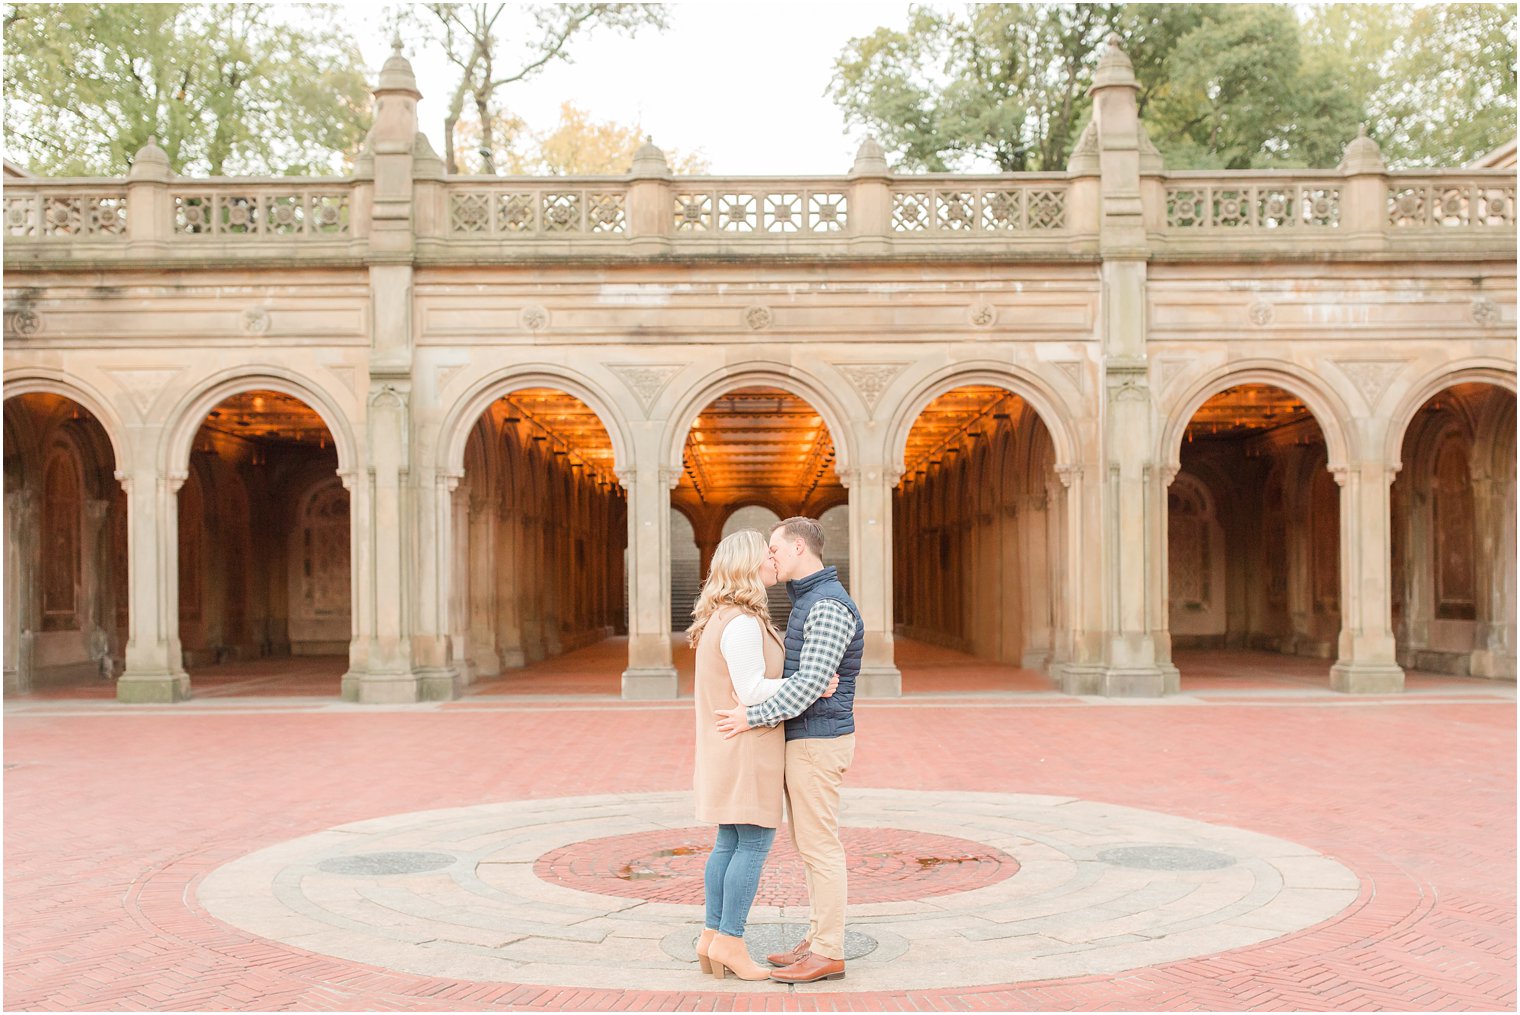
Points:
(1230, 86)
(228, 89)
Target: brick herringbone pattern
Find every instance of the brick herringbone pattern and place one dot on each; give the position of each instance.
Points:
(114, 815)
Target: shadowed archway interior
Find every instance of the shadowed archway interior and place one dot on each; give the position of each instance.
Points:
(1253, 528)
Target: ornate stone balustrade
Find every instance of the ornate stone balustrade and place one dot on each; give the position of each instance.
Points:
(1022, 215)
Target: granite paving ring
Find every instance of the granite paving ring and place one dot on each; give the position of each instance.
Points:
(1014, 887)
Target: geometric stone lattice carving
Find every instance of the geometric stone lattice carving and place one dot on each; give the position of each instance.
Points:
(870, 379)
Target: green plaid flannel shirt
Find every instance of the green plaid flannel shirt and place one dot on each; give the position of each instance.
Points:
(827, 632)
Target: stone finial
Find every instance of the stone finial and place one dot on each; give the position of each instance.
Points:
(649, 160)
(1115, 67)
(150, 163)
(1362, 155)
(396, 75)
(870, 159)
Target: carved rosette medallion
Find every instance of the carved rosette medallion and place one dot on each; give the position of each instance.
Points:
(1485, 312)
(758, 317)
(256, 320)
(535, 318)
(870, 379)
(983, 315)
(1260, 313)
(22, 323)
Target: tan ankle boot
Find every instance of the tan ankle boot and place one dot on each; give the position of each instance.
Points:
(728, 953)
(703, 943)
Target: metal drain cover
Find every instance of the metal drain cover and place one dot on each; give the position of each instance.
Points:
(386, 863)
(1166, 858)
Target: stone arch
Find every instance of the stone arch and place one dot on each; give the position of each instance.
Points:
(460, 418)
(190, 412)
(1329, 410)
(27, 380)
(1484, 371)
(753, 374)
(1040, 396)
(771, 504)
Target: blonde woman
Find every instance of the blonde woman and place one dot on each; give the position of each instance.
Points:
(738, 780)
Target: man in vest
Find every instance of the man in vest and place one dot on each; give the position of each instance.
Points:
(824, 635)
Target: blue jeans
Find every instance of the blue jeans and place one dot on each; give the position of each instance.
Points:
(733, 875)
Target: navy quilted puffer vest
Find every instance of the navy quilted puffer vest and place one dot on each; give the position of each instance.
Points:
(833, 716)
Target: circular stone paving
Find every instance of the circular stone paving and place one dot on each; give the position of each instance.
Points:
(884, 865)
(1025, 888)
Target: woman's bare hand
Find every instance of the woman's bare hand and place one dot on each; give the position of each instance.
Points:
(828, 692)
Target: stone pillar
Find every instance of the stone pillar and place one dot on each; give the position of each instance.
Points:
(529, 598)
(870, 489)
(1364, 196)
(509, 635)
(155, 671)
(21, 544)
(1127, 489)
(651, 206)
(150, 211)
(650, 672)
(870, 224)
(480, 584)
(1366, 663)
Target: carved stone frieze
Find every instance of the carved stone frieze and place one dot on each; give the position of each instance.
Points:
(870, 379)
(758, 317)
(1072, 370)
(142, 384)
(646, 381)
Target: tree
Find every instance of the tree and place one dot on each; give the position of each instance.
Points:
(580, 146)
(226, 88)
(474, 39)
(1436, 83)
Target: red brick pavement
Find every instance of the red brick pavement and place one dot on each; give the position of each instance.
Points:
(885, 865)
(114, 814)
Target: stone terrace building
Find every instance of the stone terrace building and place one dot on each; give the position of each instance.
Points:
(1068, 420)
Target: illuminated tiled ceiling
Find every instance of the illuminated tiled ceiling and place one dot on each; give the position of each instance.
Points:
(758, 440)
(269, 416)
(971, 412)
(1246, 410)
(563, 424)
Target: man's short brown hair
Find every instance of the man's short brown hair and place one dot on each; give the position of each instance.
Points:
(806, 529)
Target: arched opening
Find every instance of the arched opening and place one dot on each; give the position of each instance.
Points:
(540, 530)
(1453, 535)
(66, 593)
(265, 582)
(753, 456)
(977, 573)
(1253, 543)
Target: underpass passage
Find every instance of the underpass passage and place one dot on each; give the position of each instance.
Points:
(1453, 535)
(66, 597)
(753, 456)
(979, 561)
(264, 542)
(1253, 529)
(540, 528)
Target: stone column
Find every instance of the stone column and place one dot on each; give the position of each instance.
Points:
(509, 635)
(1366, 664)
(870, 487)
(1028, 558)
(155, 671)
(1127, 489)
(650, 672)
(870, 224)
(480, 589)
(21, 542)
(96, 550)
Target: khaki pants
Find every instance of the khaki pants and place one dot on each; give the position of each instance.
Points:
(814, 771)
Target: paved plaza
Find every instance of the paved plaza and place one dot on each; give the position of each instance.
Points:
(1257, 842)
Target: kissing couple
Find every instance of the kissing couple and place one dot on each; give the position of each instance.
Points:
(775, 719)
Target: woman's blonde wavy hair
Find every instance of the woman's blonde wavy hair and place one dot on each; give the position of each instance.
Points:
(733, 579)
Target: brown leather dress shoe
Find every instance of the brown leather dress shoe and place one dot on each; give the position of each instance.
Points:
(810, 967)
(795, 955)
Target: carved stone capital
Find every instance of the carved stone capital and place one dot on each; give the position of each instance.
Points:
(173, 481)
(1066, 473)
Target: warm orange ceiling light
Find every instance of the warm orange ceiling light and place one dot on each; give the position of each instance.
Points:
(565, 425)
(269, 417)
(1245, 410)
(757, 440)
(948, 422)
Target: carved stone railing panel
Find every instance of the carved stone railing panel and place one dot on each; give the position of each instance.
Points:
(261, 211)
(745, 210)
(1221, 203)
(528, 211)
(979, 207)
(1450, 202)
(64, 213)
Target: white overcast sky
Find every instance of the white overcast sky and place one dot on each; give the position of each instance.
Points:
(743, 82)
